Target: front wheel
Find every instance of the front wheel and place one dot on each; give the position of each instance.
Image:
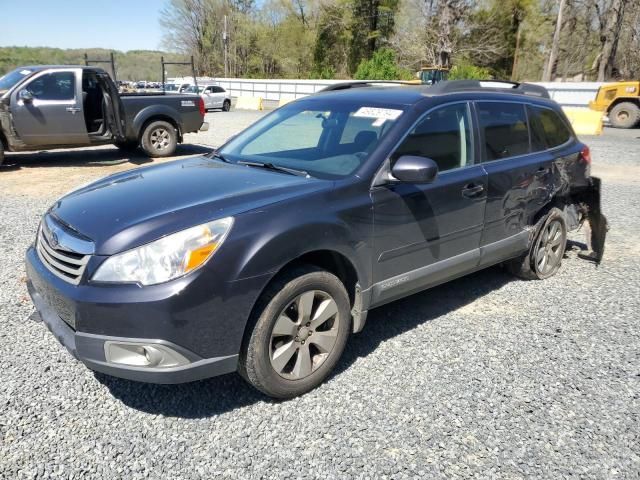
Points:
(226, 106)
(159, 139)
(302, 327)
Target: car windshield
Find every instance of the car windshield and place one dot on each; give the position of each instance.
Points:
(12, 78)
(328, 139)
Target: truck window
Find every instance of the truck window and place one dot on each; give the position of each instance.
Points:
(54, 86)
(444, 136)
(505, 130)
(548, 129)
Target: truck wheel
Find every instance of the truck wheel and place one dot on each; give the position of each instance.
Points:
(226, 105)
(547, 249)
(159, 139)
(625, 115)
(301, 325)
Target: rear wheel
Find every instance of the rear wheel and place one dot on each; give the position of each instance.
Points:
(226, 105)
(303, 322)
(625, 115)
(159, 139)
(545, 255)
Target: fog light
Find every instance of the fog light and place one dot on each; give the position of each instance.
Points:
(143, 355)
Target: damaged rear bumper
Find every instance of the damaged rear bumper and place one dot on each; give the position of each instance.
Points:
(595, 222)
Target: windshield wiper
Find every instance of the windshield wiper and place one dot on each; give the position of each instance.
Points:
(278, 168)
(219, 156)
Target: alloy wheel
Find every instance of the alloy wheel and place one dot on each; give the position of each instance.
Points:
(304, 335)
(160, 138)
(550, 248)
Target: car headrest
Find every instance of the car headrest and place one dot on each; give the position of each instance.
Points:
(365, 138)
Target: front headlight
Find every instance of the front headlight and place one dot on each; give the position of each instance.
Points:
(167, 258)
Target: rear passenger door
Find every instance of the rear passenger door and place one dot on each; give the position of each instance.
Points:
(520, 178)
(427, 233)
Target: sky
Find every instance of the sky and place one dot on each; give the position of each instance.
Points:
(113, 24)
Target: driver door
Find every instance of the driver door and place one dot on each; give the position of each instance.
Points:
(425, 234)
(54, 114)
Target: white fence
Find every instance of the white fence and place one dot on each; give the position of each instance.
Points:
(567, 94)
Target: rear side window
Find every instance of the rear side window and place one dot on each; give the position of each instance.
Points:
(444, 136)
(548, 129)
(54, 86)
(505, 130)
(218, 90)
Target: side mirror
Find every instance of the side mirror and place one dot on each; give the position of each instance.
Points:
(25, 95)
(414, 169)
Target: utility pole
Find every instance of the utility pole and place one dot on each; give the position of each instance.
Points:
(225, 43)
(553, 55)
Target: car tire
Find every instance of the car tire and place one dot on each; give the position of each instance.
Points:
(226, 105)
(624, 115)
(547, 249)
(159, 139)
(280, 355)
(1, 152)
(127, 146)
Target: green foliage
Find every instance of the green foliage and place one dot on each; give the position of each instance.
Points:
(372, 24)
(132, 65)
(381, 66)
(467, 71)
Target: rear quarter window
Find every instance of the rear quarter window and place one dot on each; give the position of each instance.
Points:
(548, 129)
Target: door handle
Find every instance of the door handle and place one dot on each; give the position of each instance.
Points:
(72, 110)
(472, 190)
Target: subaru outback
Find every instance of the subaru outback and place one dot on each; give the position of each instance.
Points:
(264, 256)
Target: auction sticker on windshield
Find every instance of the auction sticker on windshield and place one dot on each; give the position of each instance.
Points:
(380, 115)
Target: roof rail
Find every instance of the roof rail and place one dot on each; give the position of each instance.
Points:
(453, 86)
(362, 83)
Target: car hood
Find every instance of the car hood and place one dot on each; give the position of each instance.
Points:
(132, 208)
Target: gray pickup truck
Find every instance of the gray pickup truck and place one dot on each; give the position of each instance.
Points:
(45, 107)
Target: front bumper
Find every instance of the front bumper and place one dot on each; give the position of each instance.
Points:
(206, 330)
(90, 350)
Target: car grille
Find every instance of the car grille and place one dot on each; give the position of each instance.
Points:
(65, 264)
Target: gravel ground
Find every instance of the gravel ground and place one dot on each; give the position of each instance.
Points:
(485, 377)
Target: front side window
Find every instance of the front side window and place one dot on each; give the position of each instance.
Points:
(505, 130)
(443, 135)
(329, 139)
(54, 86)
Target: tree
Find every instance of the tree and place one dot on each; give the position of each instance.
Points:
(610, 26)
(555, 45)
(372, 24)
(381, 66)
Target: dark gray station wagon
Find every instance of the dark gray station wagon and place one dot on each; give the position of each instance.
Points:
(264, 256)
